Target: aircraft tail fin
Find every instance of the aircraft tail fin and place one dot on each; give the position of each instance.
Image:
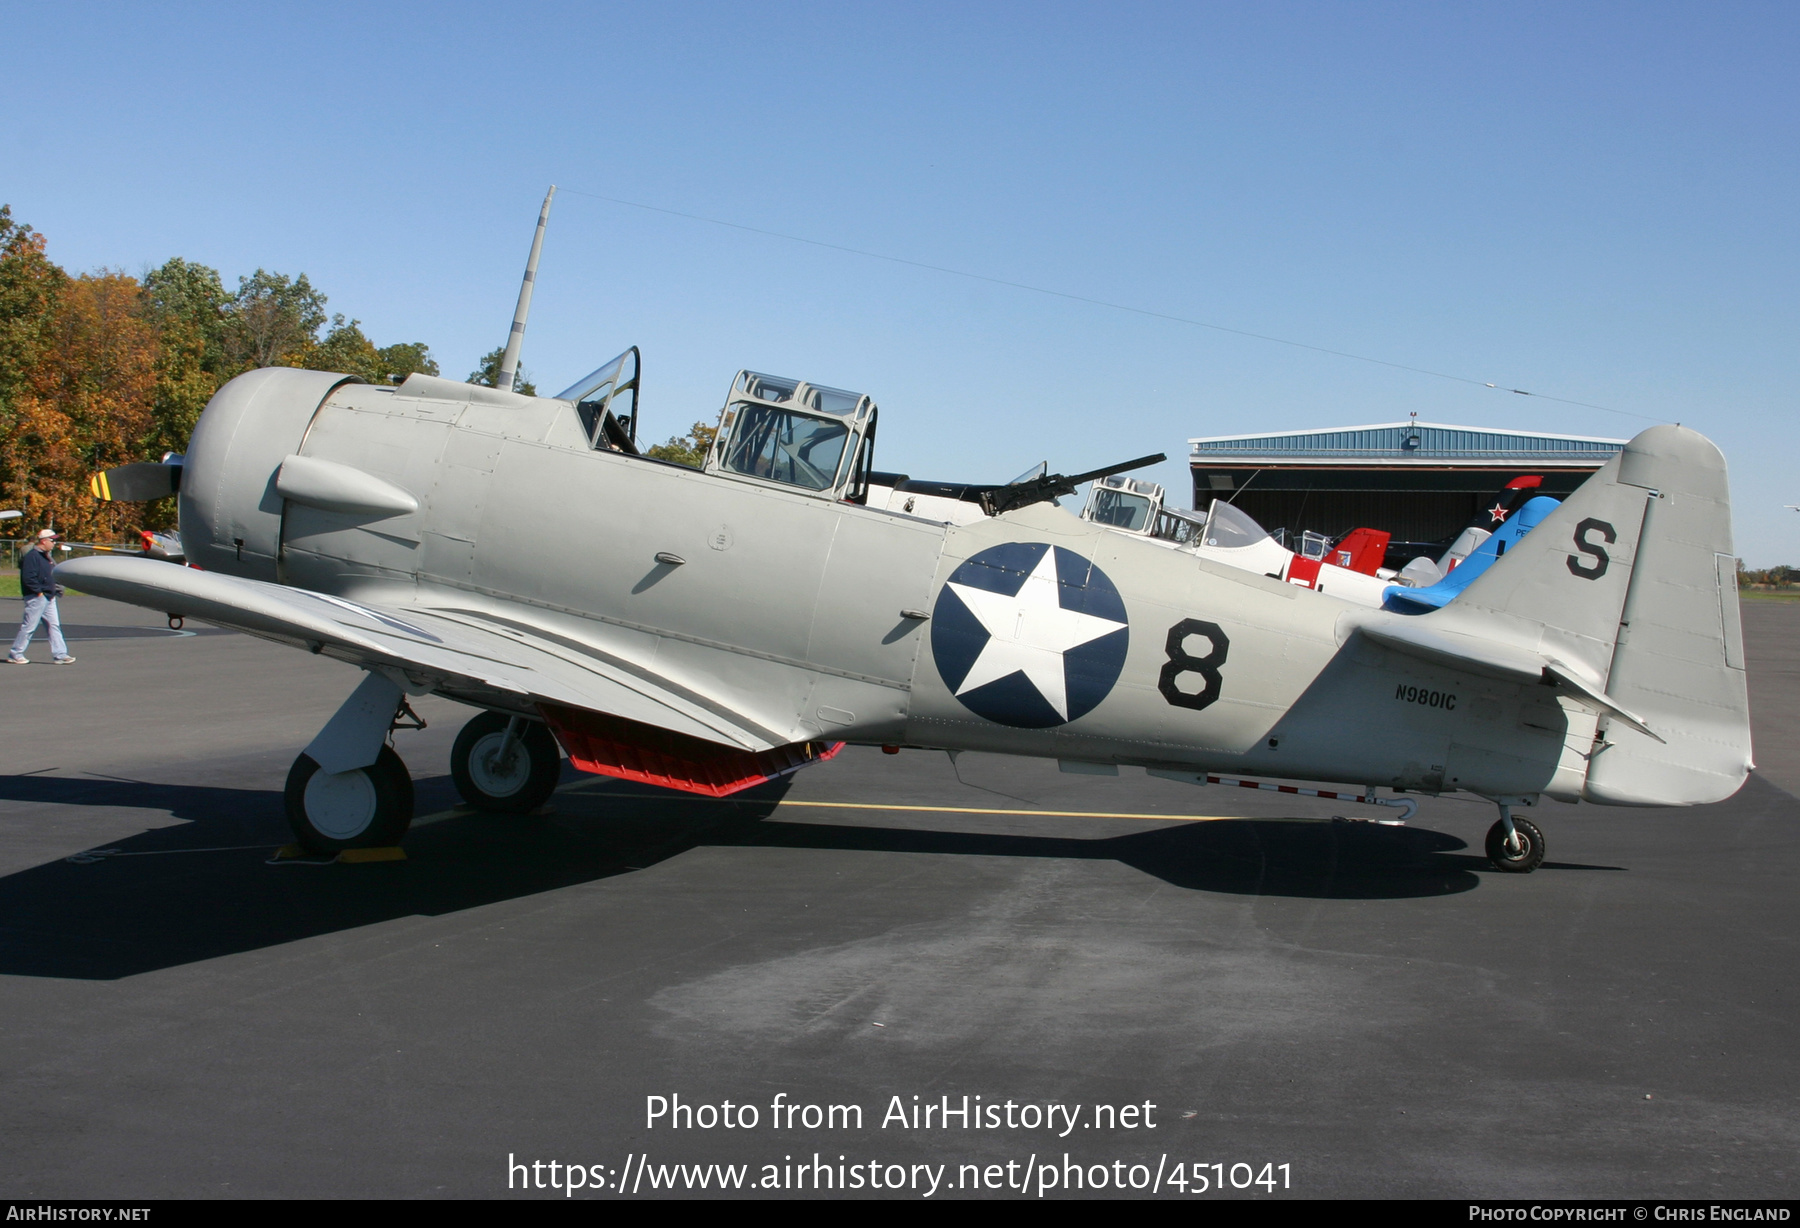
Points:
(1632, 585)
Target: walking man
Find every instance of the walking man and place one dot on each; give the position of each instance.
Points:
(37, 580)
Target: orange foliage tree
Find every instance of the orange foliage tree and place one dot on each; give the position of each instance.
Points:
(30, 286)
(100, 370)
(84, 406)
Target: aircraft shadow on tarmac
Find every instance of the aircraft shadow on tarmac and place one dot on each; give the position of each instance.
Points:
(160, 899)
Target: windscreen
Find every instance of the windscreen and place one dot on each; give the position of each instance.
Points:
(1115, 507)
(610, 391)
(1229, 527)
(784, 446)
(1181, 528)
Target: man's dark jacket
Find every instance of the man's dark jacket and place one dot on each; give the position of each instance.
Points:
(35, 573)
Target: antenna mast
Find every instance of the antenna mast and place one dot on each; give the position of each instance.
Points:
(509, 363)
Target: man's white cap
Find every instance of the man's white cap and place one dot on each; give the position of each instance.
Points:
(43, 533)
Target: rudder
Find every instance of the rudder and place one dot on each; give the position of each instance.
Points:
(1632, 582)
(1680, 655)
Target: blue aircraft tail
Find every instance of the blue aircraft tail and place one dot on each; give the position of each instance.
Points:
(1403, 600)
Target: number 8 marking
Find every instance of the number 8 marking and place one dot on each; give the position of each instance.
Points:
(1183, 662)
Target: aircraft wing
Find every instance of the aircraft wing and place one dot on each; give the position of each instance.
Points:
(455, 652)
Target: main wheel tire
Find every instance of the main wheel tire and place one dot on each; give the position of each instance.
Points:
(1528, 857)
(515, 784)
(369, 807)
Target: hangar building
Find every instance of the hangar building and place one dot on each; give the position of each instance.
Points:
(1421, 481)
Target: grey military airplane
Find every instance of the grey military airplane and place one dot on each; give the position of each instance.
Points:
(709, 629)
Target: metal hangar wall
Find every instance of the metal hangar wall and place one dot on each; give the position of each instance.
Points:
(1421, 481)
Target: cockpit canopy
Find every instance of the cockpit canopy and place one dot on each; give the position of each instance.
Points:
(1231, 528)
(1124, 503)
(1137, 507)
(796, 434)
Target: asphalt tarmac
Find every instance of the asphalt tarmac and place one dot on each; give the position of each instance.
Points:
(1372, 1007)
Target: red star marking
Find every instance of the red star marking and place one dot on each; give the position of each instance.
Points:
(1497, 512)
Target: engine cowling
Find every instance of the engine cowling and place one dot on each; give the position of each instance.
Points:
(230, 509)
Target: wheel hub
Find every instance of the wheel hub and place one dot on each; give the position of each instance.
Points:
(341, 805)
(497, 769)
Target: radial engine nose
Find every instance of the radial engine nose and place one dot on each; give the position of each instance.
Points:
(230, 509)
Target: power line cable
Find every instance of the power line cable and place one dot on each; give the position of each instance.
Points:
(1099, 302)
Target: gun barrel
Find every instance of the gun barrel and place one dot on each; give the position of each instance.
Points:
(1109, 470)
(1005, 498)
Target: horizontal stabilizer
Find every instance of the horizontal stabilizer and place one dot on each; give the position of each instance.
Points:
(1499, 660)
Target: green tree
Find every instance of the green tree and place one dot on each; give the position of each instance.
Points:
(488, 374)
(406, 358)
(184, 304)
(180, 293)
(272, 321)
(686, 451)
(346, 349)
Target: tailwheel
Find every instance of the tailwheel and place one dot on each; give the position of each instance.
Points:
(366, 807)
(1515, 845)
(505, 763)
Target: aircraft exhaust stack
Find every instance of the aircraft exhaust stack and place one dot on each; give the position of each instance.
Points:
(509, 363)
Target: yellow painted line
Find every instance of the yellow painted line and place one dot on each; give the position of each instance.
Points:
(454, 811)
(1049, 814)
(597, 781)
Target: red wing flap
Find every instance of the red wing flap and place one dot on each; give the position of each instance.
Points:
(631, 750)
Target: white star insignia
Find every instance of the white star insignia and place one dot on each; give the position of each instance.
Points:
(1028, 633)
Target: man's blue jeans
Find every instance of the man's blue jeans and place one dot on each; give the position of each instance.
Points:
(39, 608)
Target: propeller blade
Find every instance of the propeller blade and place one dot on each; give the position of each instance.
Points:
(136, 483)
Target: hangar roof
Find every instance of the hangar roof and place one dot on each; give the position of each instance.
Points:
(1385, 444)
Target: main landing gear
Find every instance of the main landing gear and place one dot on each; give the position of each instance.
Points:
(1515, 845)
(349, 790)
(362, 807)
(505, 763)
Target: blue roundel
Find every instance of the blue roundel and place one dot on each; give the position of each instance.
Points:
(1029, 634)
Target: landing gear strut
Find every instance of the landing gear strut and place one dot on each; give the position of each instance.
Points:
(505, 763)
(1515, 845)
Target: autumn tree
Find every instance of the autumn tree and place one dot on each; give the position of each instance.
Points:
(30, 286)
(488, 374)
(103, 370)
(84, 406)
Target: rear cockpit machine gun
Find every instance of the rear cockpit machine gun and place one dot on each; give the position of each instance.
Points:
(1048, 487)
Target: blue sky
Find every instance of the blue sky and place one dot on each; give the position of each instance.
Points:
(1594, 201)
